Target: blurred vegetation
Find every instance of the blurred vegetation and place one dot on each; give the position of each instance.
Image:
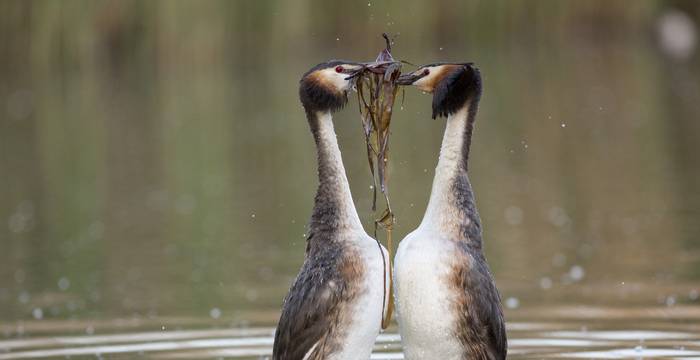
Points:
(154, 158)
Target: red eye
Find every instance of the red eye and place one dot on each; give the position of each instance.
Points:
(426, 72)
(339, 69)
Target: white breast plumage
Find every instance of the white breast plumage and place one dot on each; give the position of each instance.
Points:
(367, 310)
(420, 270)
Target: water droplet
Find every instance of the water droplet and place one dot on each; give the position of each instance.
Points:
(215, 313)
(576, 273)
(252, 216)
(677, 34)
(546, 283)
(563, 125)
(23, 297)
(512, 303)
(558, 216)
(37, 313)
(63, 283)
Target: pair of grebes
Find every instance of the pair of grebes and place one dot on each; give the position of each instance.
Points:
(447, 303)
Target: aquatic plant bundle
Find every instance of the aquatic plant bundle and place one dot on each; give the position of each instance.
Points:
(376, 92)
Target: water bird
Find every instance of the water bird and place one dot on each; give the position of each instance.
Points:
(335, 306)
(448, 306)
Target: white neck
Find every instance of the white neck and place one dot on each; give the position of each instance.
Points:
(336, 178)
(442, 212)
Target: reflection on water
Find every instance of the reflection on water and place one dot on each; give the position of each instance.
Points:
(577, 335)
(155, 164)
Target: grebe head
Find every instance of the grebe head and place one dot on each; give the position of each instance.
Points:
(451, 84)
(325, 86)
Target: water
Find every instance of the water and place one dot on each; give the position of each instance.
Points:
(551, 332)
(157, 173)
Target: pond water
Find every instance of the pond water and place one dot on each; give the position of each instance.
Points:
(157, 171)
(552, 332)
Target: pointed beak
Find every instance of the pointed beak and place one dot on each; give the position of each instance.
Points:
(356, 73)
(408, 79)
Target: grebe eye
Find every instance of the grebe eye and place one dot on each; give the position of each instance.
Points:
(426, 72)
(339, 69)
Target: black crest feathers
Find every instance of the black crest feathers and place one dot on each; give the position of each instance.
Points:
(460, 85)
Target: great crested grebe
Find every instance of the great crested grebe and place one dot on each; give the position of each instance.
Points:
(448, 306)
(334, 309)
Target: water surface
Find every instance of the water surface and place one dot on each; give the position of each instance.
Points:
(535, 333)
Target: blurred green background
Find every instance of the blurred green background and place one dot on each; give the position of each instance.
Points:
(155, 160)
